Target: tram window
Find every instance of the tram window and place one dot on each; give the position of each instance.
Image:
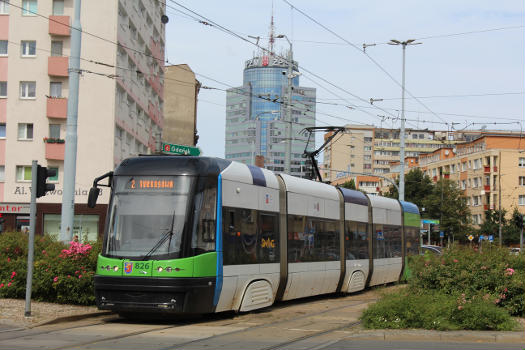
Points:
(268, 238)
(379, 250)
(412, 240)
(203, 239)
(392, 236)
(356, 240)
(240, 236)
(312, 239)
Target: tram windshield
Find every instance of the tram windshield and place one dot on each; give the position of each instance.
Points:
(148, 215)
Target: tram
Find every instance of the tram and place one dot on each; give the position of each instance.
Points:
(201, 235)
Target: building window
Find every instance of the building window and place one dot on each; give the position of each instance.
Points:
(23, 173)
(84, 226)
(55, 89)
(3, 47)
(3, 89)
(58, 7)
(56, 47)
(2, 173)
(521, 199)
(2, 130)
(29, 8)
(4, 7)
(25, 131)
(522, 180)
(521, 163)
(27, 89)
(53, 178)
(28, 48)
(54, 131)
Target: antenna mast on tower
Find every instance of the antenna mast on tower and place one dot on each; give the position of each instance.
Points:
(271, 40)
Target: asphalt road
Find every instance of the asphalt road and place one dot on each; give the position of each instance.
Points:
(315, 323)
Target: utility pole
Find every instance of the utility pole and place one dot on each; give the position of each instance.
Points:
(499, 200)
(70, 159)
(31, 238)
(402, 130)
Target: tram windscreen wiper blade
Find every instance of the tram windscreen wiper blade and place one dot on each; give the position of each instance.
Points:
(157, 245)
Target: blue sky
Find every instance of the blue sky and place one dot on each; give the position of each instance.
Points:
(489, 63)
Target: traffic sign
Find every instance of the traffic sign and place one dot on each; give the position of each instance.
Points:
(481, 237)
(441, 234)
(170, 148)
(470, 237)
(491, 238)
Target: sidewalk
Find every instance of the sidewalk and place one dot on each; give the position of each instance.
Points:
(12, 313)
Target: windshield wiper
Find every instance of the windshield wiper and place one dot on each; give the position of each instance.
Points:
(161, 241)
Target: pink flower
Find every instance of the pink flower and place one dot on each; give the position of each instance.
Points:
(8, 259)
(483, 267)
(9, 284)
(455, 260)
(44, 252)
(509, 271)
(496, 301)
(505, 290)
(460, 307)
(55, 279)
(79, 276)
(1, 285)
(77, 272)
(13, 274)
(68, 276)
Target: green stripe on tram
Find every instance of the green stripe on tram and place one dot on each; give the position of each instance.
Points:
(412, 219)
(203, 265)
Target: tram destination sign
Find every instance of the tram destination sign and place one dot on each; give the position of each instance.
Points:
(171, 148)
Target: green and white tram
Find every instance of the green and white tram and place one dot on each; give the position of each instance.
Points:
(203, 235)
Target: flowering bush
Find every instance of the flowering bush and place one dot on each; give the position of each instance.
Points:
(462, 289)
(61, 273)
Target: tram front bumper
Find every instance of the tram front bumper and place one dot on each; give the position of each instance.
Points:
(154, 294)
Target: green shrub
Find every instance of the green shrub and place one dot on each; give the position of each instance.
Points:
(492, 274)
(434, 310)
(61, 273)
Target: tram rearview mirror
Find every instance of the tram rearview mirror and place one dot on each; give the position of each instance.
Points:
(93, 195)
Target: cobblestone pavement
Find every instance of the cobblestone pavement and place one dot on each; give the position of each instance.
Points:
(12, 312)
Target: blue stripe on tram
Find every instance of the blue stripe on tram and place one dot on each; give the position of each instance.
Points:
(218, 243)
(257, 175)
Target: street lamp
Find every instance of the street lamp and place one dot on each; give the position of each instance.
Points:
(402, 130)
(288, 154)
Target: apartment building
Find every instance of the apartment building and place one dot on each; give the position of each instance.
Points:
(120, 100)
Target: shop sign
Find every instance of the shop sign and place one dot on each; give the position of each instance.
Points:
(14, 208)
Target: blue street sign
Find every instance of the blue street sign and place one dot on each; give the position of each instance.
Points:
(481, 237)
(441, 234)
(491, 238)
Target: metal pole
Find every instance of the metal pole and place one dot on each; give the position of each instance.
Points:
(70, 160)
(402, 132)
(521, 233)
(499, 199)
(288, 155)
(31, 243)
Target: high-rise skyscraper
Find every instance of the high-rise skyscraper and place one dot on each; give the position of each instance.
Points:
(257, 119)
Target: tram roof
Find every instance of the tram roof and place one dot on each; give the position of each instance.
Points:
(353, 196)
(171, 165)
(409, 207)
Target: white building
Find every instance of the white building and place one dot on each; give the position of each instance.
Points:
(120, 102)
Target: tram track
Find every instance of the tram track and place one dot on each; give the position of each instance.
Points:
(236, 323)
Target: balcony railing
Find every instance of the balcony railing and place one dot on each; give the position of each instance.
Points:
(487, 188)
(57, 66)
(55, 151)
(59, 25)
(57, 107)
(486, 169)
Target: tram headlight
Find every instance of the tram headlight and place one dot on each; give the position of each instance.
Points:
(108, 267)
(115, 268)
(168, 269)
(160, 269)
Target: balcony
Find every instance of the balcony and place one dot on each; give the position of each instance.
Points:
(55, 151)
(446, 176)
(57, 66)
(59, 26)
(486, 169)
(57, 107)
(495, 169)
(487, 188)
(485, 207)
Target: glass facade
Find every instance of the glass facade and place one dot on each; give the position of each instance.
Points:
(256, 119)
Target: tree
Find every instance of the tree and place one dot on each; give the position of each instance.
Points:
(349, 184)
(417, 187)
(446, 203)
(490, 225)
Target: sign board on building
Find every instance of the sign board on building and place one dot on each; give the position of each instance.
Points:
(14, 208)
(170, 148)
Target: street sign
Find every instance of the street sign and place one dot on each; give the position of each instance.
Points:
(481, 237)
(491, 238)
(430, 221)
(470, 237)
(170, 148)
(441, 234)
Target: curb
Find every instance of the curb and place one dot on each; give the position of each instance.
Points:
(70, 318)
